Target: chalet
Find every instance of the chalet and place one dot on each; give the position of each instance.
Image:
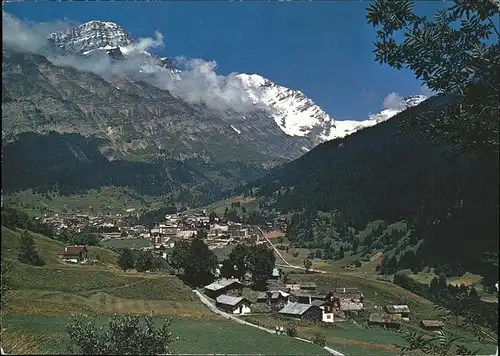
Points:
(302, 311)
(328, 308)
(387, 321)
(350, 299)
(224, 286)
(233, 305)
(432, 325)
(401, 310)
(275, 299)
(75, 254)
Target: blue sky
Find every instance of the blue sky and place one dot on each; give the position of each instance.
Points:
(322, 48)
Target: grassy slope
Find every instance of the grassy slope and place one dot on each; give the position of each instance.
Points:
(43, 298)
(219, 207)
(116, 200)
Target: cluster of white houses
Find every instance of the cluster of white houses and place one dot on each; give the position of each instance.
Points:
(177, 226)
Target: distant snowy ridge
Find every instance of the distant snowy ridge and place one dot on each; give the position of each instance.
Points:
(297, 115)
(294, 113)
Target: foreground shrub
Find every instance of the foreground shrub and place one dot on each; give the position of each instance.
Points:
(125, 335)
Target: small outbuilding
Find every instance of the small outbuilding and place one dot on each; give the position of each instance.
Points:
(432, 325)
(387, 321)
(302, 311)
(224, 286)
(233, 305)
(401, 310)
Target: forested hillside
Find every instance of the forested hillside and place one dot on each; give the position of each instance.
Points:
(71, 163)
(449, 200)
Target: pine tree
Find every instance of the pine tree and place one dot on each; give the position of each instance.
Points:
(27, 251)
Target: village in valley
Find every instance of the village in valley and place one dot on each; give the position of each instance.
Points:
(285, 297)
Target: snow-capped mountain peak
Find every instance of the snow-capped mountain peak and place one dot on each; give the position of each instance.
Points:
(293, 112)
(298, 115)
(91, 36)
(107, 37)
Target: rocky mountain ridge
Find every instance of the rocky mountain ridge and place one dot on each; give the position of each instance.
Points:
(294, 113)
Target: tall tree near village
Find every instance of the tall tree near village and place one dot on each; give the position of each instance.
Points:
(456, 54)
(202, 263)
(261, 262)
(126, 260)
(227, 269)
(27, 251)
(143, 261)
(239, 258)
(179, 257)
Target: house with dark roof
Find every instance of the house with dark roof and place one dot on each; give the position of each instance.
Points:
(328, 307)
(351, 299)
(224, 286)
(233, 305)
(432, 325)
(385, 320)
(302, 311)
(401, 310)
(75, 254)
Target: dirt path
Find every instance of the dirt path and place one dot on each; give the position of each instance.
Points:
(287, 264)
(214, 309)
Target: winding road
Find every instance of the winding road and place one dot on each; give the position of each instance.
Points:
(215, 310)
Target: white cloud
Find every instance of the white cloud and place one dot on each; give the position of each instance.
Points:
(393, 101)
(26, 36)
(197, 83)
(145, 43)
